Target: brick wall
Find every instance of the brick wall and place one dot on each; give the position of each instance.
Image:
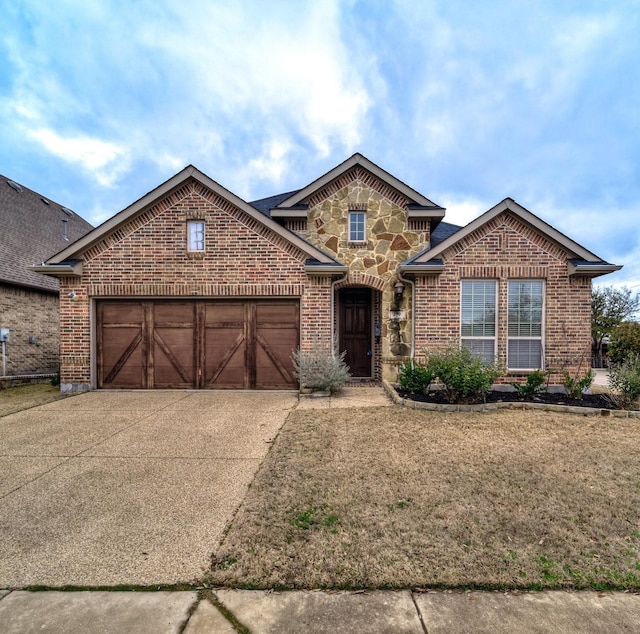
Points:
(30, 313)
(148, 258)
(506, 249)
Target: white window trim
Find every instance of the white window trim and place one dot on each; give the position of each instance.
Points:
(495, 335)
(541, 338)
(352, 213)
(204, 243)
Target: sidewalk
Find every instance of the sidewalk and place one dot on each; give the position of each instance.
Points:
(229, 611)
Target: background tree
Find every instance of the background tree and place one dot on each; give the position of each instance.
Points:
(610, 306)
(625, 341)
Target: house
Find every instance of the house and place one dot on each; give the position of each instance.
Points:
(192, 287)
(33, 228)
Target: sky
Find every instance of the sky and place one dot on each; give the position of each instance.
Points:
(468, 102)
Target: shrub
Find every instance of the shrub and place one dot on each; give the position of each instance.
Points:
(576, 386)
(55, 379)
(466, 378)
(624, 380)
(414, 377)
(534, 385)
(320, 370)
(625, 341)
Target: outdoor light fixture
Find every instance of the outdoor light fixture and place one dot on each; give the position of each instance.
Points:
(73, 296)
(398, 288)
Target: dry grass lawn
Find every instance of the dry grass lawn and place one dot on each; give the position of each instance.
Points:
(391, 497)
(15, 399)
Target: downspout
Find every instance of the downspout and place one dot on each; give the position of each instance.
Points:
(413, 311)
(333, 317)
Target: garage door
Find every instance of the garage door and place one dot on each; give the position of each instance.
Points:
(197, 344)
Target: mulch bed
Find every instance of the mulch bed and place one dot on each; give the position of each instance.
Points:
(599, 401)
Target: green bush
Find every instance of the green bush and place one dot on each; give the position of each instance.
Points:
(576, 386)
(320, 370)
(625, 341)
(55, 379)
(414, 377)
(624, 380)
(466, 378)
(535, 384)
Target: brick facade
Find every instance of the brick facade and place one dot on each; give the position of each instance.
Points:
(505, 249)
(30, 315)
(245, 257)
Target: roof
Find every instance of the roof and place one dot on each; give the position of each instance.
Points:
(32, 231)
(264, 205)
(64, 262)
(415, 197)
(582, 261)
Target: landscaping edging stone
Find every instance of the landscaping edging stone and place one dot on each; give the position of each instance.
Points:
(492, 407)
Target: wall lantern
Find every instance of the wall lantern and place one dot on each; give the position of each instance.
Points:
(73, 296)
(398, 288)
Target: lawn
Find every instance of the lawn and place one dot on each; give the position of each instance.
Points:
(391, 497)
(14, 399)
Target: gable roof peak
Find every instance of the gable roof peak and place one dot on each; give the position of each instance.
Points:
(414, 196)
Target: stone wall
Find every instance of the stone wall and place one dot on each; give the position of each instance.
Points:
(30, 315)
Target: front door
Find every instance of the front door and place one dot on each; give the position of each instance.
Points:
(355, 330)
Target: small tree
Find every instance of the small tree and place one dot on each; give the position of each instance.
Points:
(610, 306)
(625, 341)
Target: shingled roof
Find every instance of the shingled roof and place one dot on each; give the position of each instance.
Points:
(33, 229)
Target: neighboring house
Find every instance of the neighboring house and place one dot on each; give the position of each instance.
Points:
(192, 287)
(33, 228)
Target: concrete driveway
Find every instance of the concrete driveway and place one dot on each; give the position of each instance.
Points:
(127, 487)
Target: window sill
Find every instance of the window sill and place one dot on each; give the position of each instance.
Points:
(195, 255)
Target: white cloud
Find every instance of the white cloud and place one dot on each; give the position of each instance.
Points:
(103, 159)
(462, 210)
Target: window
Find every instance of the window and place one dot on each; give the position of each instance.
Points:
(478, 317)
(195, 235)
(357, 222)
(524, 345)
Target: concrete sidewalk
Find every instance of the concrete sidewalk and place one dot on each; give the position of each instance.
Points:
(229, 611)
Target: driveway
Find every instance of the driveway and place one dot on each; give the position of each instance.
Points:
(127, 487)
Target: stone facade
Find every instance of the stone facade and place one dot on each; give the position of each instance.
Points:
(32, 318)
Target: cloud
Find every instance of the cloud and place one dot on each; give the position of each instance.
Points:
(104, 160)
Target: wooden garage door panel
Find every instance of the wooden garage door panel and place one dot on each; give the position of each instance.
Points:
(225, 348)
(277, 336)
(197, 343)
(173, 352)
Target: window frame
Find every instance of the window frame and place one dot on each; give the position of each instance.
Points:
(353, 215)
(190, 244)
(494, 337)
(540, 338)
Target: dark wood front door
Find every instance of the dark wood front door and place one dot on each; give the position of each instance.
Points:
(355, 330)
(197, 343)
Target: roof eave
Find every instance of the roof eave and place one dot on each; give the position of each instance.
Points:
(326, 269)
(593, 270)
(423, 268)
(58, 270)
(291, 212)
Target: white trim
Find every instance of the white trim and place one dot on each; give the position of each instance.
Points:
(191, 223)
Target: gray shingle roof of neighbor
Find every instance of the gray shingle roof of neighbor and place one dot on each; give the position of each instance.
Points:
(264, 205)
(32, 230)
(443, 231)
